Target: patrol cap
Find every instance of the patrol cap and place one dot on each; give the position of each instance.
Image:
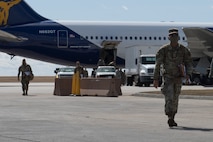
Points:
(173, 30)
(173, 33)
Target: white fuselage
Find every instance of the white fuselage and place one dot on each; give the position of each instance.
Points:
(132, 34)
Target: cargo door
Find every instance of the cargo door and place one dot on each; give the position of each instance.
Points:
(109, 51)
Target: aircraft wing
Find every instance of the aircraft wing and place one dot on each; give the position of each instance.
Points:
(200, 39)
(5, 36)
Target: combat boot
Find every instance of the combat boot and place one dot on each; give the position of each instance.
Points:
(24, 93)
(171, 121)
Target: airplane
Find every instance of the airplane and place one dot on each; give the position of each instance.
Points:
(23, 32)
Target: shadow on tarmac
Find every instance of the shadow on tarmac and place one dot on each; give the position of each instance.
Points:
(192, 129)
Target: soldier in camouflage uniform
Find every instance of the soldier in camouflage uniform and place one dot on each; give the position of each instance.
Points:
(210, 75)
(79, 68)
(171, 60)
(26, 76)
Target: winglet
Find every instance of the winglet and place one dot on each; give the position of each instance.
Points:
(5, 36)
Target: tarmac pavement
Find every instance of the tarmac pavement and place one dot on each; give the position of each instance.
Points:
(43, 117)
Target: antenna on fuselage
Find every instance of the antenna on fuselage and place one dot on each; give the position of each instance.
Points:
(11, 56)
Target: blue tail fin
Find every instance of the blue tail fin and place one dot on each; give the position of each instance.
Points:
(17, 12)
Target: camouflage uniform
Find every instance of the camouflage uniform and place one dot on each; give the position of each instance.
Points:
(210, 75)
(79, 69)
(168, 60)
(26, 76)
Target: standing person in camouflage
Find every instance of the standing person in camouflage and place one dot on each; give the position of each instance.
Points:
(174, 62)
(210, 75)
(79, 68)
(26, 76)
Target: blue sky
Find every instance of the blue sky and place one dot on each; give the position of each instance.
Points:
(126, 10)
(110, 10)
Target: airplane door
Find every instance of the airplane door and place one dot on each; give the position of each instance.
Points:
(109, 51)
(62, 37)
(108, 55)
